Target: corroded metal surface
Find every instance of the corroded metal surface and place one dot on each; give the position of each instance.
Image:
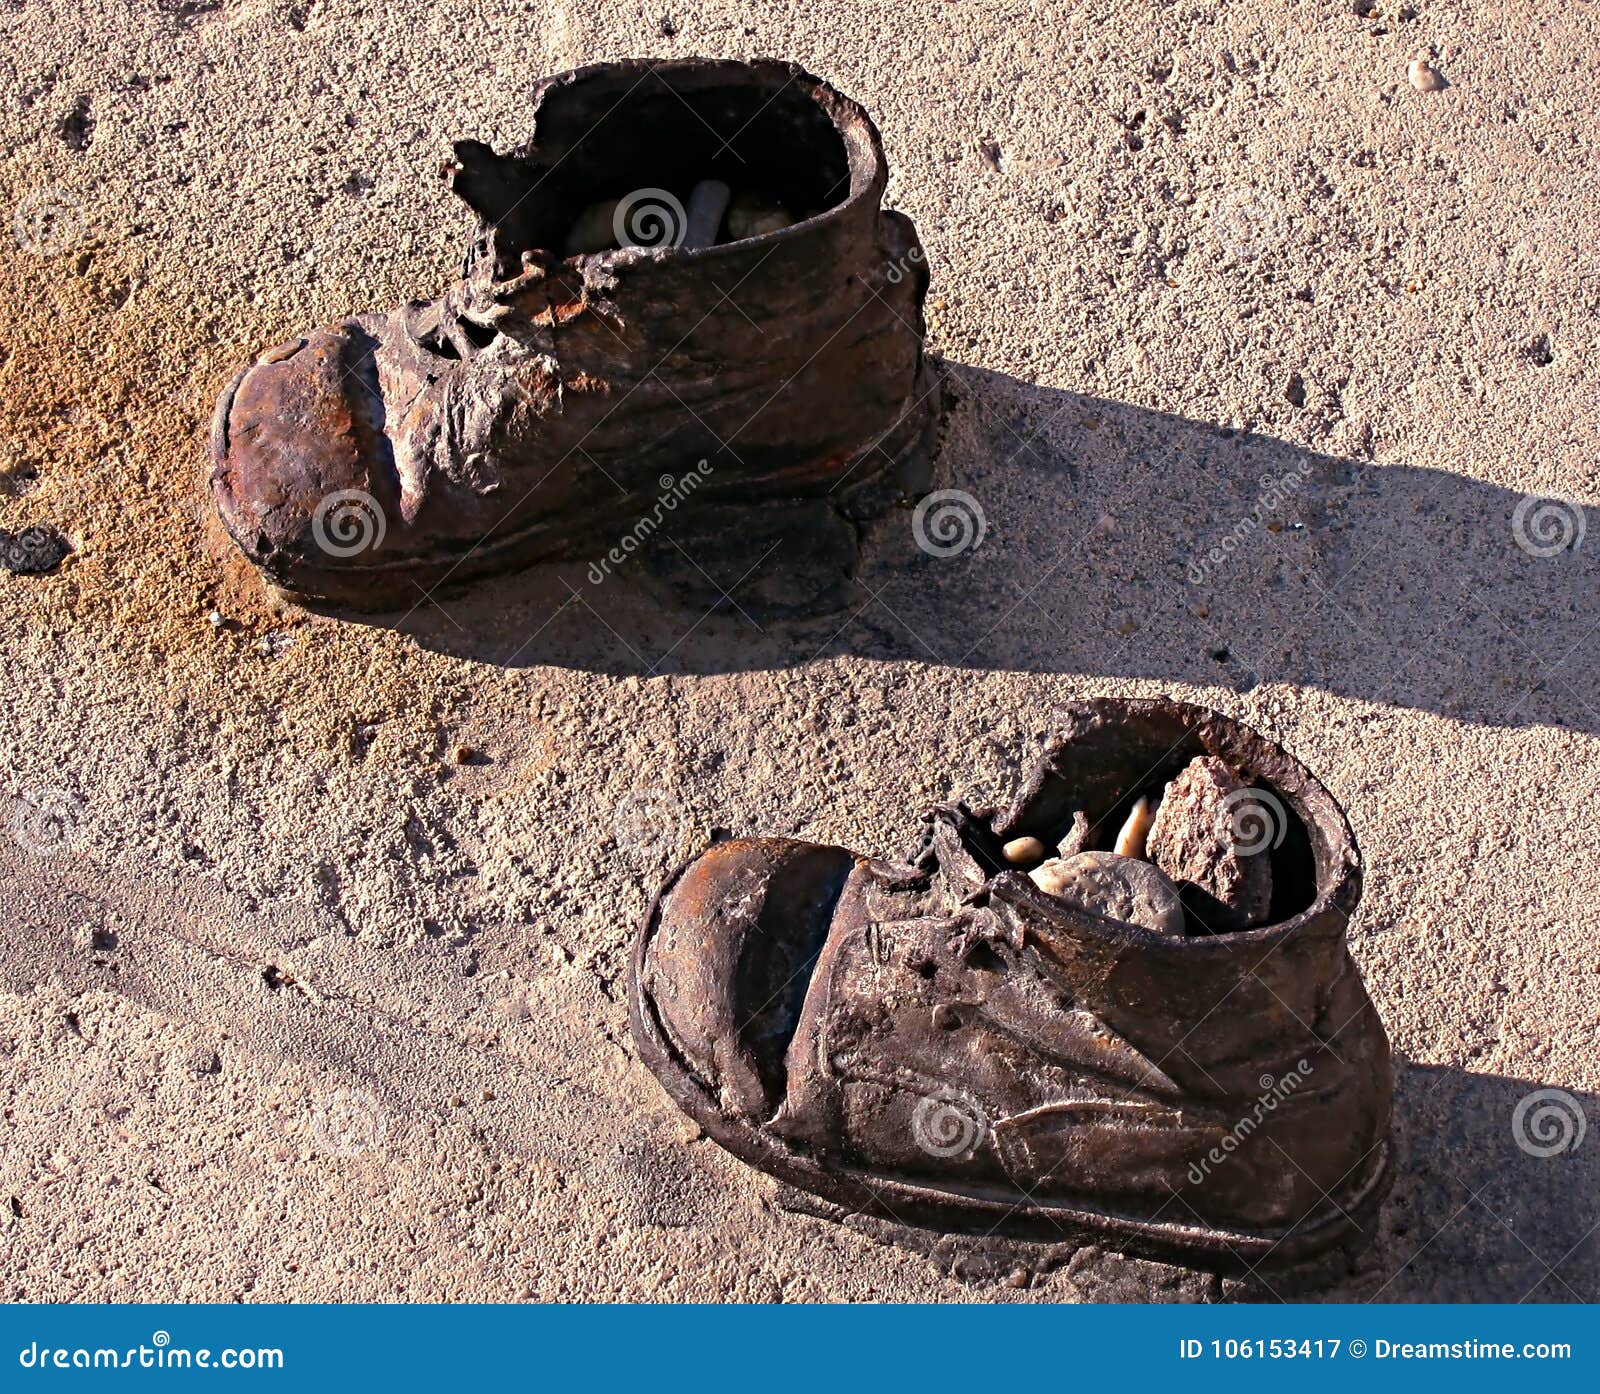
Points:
(971, 1054)
(543, 403)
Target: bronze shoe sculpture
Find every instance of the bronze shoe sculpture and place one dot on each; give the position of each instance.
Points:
(765, 351)
(940, 1043)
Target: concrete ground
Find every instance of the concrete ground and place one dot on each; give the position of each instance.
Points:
(1273, 379)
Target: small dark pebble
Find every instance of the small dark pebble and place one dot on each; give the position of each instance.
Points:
(76, 128)
(33, 551)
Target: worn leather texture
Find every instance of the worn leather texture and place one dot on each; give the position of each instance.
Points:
(542, 401)
(963, 1032)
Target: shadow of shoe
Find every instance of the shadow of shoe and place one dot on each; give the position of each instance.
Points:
(1496, 1195)
(1074, 534)
(1127, 542)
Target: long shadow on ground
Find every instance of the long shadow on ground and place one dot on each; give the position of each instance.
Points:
(1079, 535)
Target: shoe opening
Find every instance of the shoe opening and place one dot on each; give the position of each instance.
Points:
(1098, 776)
(774, 974)
(633, 158)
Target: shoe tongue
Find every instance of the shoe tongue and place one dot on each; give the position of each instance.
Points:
(965, 849)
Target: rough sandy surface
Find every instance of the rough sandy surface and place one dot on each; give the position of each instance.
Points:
(296, 1007)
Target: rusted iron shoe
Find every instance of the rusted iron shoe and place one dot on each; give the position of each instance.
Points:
(940, 1043)
(548, 404)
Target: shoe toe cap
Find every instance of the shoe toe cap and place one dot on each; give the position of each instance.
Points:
(729, 959)
(292, 445)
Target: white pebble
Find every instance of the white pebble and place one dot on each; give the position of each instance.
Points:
(1424, 76)
(1131, 840)
(1119, 888)
(1023, 851)
(751, 215)
(708, 201)
(594, 229)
